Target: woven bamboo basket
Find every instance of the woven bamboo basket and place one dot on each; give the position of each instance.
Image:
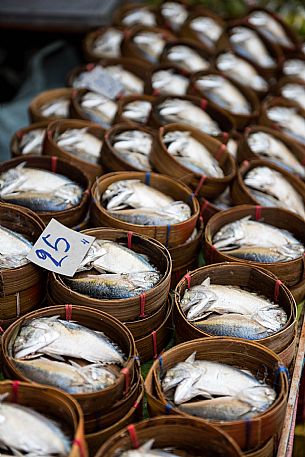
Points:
(110, 159)
(69, 217)
(169, 235)
(267, 450)
(225, 122)
(51, 148)
(241, 194)
(240, 120)
(279, 101)
(96, 439)
(204, 186)
(251, 278)
(244, 151)
(207, 209)
(142, 326)
(298, 291)
(95, 402)
(89, 40)
(46, 97)
(139, 69)
(53, 404)
(239, 353)
(17, 137)
(291, 272)
(149, 89)
(275, 52)
(83, 225)
(130, 309)
(182, 433)
(126, 8)
(123, 101)
(131, 50)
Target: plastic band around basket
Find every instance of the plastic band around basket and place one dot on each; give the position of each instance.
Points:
(248, 429)
(155, 347)
(1, 330)
(126, 374)
(15, 390)
(200, 184)
(133, 436)
(303, 261)
(220, 151)
(204, 206)
(156, 92)
(213, 250)
(136, 404)
(258, 212)
(19, 134)
(188, 279)
(225, 135)
(68, 309)
(168, 231)
(160, 358)
(203, 104)
(277, 285)
(129, 239)
(147, 178)
(281, 369)
(17, 304)
(53, 164)
(168, 408)
(79, 444)
(90, 66)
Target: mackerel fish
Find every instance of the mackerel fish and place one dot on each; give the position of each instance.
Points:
(271, 188)
(31, 142)
(39, 190)
(132, 84)
(139, 16)
(134, 147)
(271, 29)
(147, 450)
(14, 249)
(207, 29)
(98, 108)
(58, 107)
(137, 111)
(248, 44)
(81, 144)
(191, 153)
(70, 377)
(151, 44)
(290, 122)
(184, 112)
(135, 202)
(295, 68)
(108, 45)
(269, 147)
(257, 241)
(222, 92)
(54, 337)
(186, 58)
(237, 305)
(25, 430)
(174, 13)
(294, 92)
(207, 379)
(169, 82)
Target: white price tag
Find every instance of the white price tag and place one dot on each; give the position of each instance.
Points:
(60, 249)
(101, 81)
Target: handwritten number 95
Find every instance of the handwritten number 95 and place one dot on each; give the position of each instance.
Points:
(59, 242)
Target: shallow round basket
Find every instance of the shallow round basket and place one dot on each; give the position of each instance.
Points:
(291, 272)
(179, 432)
(89, 40)
(240, 120)
(244, 151)
(17, 137)
(46, 97)
(53, 404)
(203, 186)
(51, 148)
(94, 402)
(241, 194)
(123, 101)
(252, 279)
(69, 217)
(207, 209)
(239, 353)
(171, 235)
(130, 309)
(110, 159)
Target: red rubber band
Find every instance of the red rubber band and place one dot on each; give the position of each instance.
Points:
(258, 212)
(15, 390)
(1, 330)
(202, 179)
(156, 92)
(133, 436)
(79, 444)
(90, 66)
(221, 150)
(277, 289)
(136, 404)
(125, 372)
(154, 338)
(161, 130)
(53, 163)
(188, 279)
(142, 304)
(19, 134)
(225, 135)
(68, 309)
(203, 104)
(204, 206)
(245, 163)
(49, 134)
(129, 239)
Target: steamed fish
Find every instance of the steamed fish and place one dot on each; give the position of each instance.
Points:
(207, 29)
(150, 44)
(137, 111)
(186, 58)
(169, 82)
(98, 108)
(131, 83)
(31, 142)
(174, 13)
(295, 68)
(270, 28)
(289, 120)
(80, 143)
(134, 147)
(58, 107)
(146, 450)
(108, 44)
(14, 249)
(139, 16)
(294, 92)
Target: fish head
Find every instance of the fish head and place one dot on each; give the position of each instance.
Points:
(34, 336)
(229, 236)
(118, 193)
(174, 376)
(187, 389)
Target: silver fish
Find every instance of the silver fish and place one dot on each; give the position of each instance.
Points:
(210, 379)
(13, 249)
(105, 255)
(169, 82)
(294, 67)
(132, 84)
(108, 44)
(191, 153)
(186, 58)
(137, 111)
(292, 123)
(279, 245)
(113, 286)
(247, 43)
(222, 92)
(174, 13)
(58, 107)
(200, 301)
(81, 143)
(269, 147)
(26, 430)
(71, 378)
(184, 111)
(39, 190)
(98, 108)
(134, 146)
(241, 71)
(31, 142)
(294, 92)
(141, 16)
(151, 44)
(146, 450)
(270, 182)
(55, 337)
(270, 28)
(208, 30)
(232, 147)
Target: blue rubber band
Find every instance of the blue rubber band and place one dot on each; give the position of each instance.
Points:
(168, 230)
(160, 362)
(281, 369)
(248, 425)
(168, 408)
(147, 178)
(190, 197)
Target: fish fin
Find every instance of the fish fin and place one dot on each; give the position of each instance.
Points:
(3, 396)
(56, 357)
(147, 446)
(191, 358)
(206, 282)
